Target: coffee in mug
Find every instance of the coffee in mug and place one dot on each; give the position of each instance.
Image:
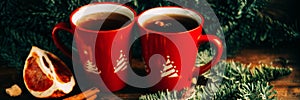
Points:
(171, 23)
(103, 21)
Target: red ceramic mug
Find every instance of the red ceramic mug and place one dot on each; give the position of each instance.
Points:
(95, 28)
(174, 34)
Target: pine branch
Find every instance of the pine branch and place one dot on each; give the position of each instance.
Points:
(142, 5)
(235, 81)
(31, 24)
(242, 21)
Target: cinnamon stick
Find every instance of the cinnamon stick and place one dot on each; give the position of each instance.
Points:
(90, 94)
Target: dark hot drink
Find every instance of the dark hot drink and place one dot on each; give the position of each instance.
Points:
(103, 21)
(171, 23)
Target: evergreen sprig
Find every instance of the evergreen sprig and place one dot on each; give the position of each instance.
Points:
(29, 23)
(244, 24)
(233, 81)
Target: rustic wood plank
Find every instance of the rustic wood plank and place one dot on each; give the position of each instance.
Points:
(287, 81)
(288, 93)
(282, 91)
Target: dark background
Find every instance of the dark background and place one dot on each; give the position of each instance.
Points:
(285, 10)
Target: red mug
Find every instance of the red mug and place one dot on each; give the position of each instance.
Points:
(174, 34)
(95, 28)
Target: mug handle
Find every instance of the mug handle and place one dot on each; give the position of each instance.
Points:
(218, 43)
(61, 26)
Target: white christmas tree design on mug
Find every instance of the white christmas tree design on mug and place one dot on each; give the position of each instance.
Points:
(90, 66)
(169, 70)
(121, 63)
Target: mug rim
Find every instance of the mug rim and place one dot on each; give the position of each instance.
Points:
(171, 33)
(102, 31)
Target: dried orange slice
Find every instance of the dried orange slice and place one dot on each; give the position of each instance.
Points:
(46, 76)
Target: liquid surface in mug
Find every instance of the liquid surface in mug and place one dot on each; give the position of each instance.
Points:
(171, 23)
(103, 21)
